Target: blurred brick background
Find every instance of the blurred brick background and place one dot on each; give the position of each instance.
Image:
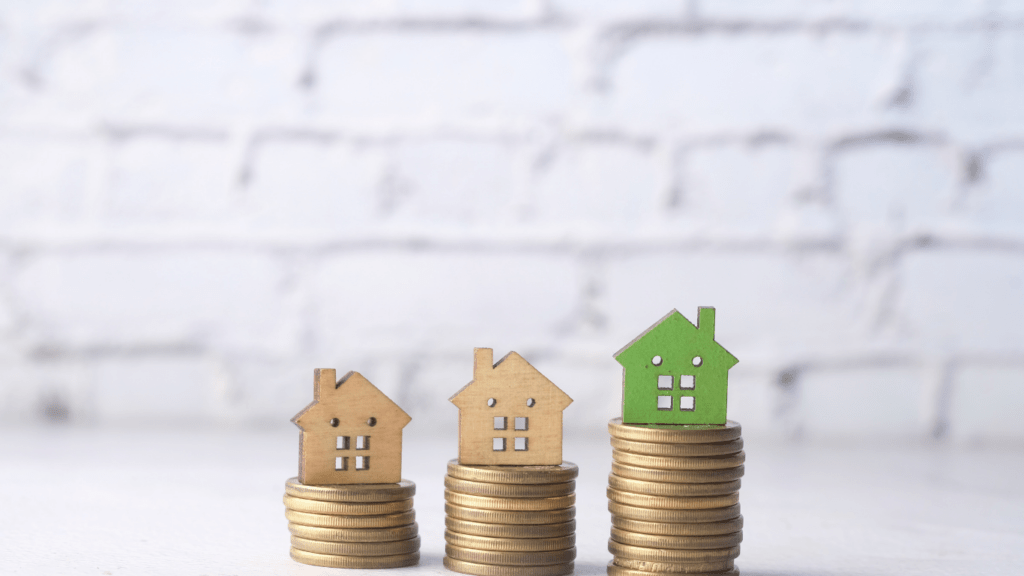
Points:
(201, 201)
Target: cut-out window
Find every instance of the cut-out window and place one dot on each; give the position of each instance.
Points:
(664, 402)
(362, 462)
(362, 442)
(342, 442)
(656, 360)
(341, 463)
(491, 402)
(500, 423)
(498, 445)
(686, 403)
(665, 382)
(530, 402)
(686, 381)
(522, 422)
(697, 360)
(371, 422)
(521, 444)
(335, 422)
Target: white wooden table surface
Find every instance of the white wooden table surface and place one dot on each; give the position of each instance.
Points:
(119, 502)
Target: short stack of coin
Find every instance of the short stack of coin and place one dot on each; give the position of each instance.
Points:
(674, 498)
(352, 525)
(510, 520)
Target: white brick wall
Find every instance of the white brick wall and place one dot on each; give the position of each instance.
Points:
(200, 202)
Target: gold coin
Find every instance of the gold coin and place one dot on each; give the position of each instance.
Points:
(683, 516)
(620, 550)
(510, 530)
(354, 534)
(675, 433)
(672, 567)
(509, 504)
(672, 489)
(509, 544)
(506, 517)
(614, 570)
(663, 463)
(336, 561)
(678, 529)
(676, 542)
(510, 558)
(563, 472)
(351, 492)
(347, 508)
(676, 476)
(331, 521)
(358, 548)
(672, 503)
(477, 569)
(678, 450)
(509, 490)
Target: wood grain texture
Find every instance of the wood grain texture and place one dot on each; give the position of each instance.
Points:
(349, 408)
(511, 390)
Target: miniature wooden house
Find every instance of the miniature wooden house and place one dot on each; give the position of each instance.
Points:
(351, 433)
(676, 373)
(509, 414)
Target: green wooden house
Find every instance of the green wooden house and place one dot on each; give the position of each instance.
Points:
(675, 373)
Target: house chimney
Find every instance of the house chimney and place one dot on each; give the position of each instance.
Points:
(324, 379)
(706, 322)
(483, 359)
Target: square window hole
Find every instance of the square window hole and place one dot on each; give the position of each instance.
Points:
(686, 403)
(362, 442)
(686, 381)
(665, 382)
(664, 402)
(342, 442)
(341, 463)
(521, 422)
(498, 445)
(362, 462)
(500, 423)
(521, 444)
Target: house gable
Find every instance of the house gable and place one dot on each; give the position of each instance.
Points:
(512, 375)
(352, 399)
(692, 367)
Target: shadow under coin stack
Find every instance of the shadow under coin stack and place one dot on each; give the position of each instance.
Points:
(674, 498)
(510, 520)
(352, 525)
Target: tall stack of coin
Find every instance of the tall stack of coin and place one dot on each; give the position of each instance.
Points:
(510, 520)
(352, 525)
(674, 498)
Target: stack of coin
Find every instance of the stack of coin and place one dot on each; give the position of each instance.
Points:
(352, 525)
(674, 498)
(510, 520)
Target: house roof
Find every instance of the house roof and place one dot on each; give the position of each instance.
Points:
(351, 392)
(684, 334)
(512, 371)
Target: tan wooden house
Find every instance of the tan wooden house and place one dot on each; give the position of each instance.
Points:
(351, 433)
(509, 414)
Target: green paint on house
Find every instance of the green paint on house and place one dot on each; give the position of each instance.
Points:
(675, 373)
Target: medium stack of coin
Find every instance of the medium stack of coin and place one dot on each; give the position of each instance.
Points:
(352, 525)
(510, 520)
(674, 498)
